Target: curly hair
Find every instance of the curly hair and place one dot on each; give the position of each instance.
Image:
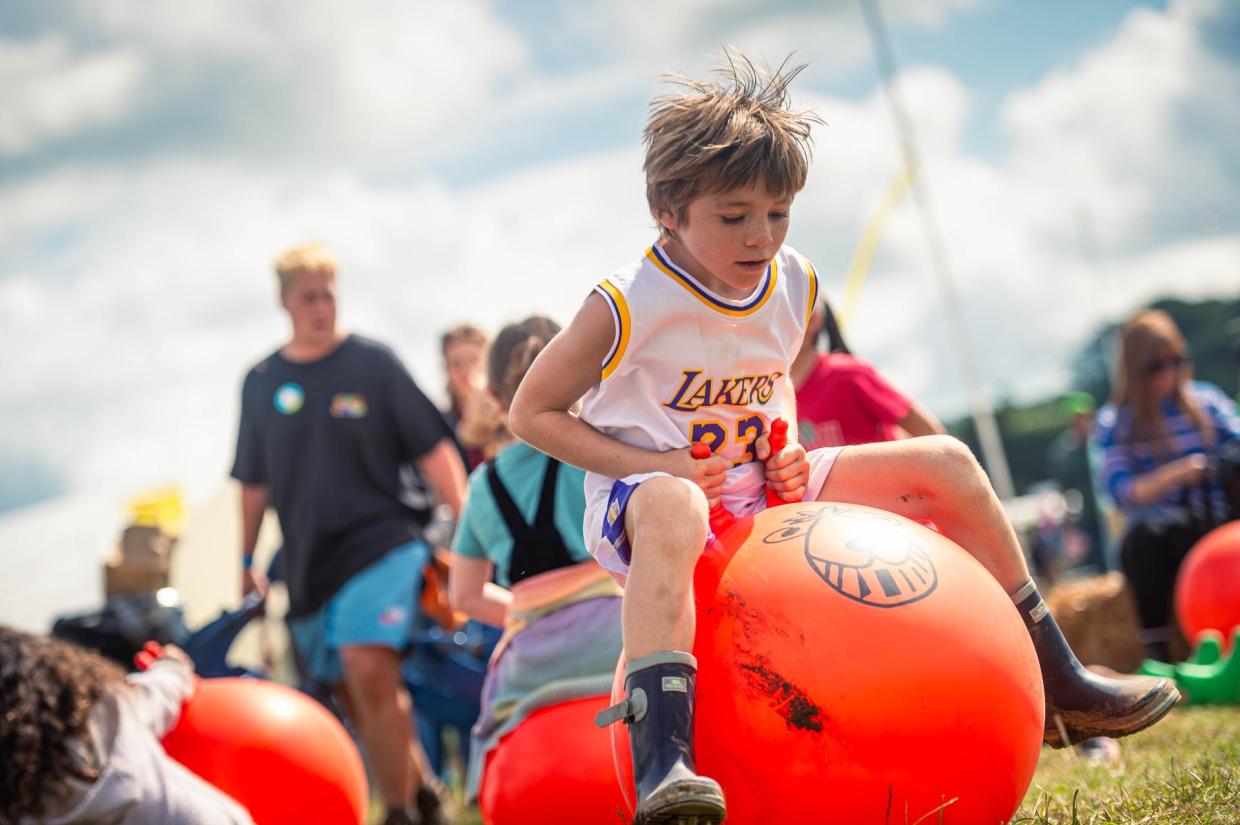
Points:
(47, 690)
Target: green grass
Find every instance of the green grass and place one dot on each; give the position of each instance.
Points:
(1183, 771)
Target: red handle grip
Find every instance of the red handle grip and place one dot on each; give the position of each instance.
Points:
(146, 657)
(779, 435)
(720, 518)
(778, 440)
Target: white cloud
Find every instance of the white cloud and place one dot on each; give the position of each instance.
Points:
(147, 286)
(1134, 131)
(147, 323)
(384, 84)
(1097, 208)
(49, 93)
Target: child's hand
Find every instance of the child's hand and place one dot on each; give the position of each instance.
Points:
(177, 655)
(708, 473)
(787, 471)
(153, 651)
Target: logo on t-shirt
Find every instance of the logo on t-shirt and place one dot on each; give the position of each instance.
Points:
(696, 392)
(392, 615)
(349, 405)
(289, 398)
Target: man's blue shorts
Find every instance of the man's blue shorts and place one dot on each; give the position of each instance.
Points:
(375, 607)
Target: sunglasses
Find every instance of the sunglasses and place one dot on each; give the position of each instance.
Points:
(1174, 362)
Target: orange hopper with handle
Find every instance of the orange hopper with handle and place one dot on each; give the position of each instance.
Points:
(720, 518)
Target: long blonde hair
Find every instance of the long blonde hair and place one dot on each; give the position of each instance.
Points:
(1148, 336)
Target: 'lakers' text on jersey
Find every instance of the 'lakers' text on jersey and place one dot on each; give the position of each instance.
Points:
(688, 366)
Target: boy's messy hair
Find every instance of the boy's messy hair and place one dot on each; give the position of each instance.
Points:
(726, 134)
(312, 258)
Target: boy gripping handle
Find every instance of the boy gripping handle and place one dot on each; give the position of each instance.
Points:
(692, 343)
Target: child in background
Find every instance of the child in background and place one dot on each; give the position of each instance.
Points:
(842, 399)
(472, 413)
(520, 563)
(693, 343)
(79, 740)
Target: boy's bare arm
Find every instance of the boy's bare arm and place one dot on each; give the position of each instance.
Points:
(559, 377)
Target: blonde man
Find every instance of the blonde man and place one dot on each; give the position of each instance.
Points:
(693, 343)
(330, 424)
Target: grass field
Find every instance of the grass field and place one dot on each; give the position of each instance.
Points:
(1184, 771)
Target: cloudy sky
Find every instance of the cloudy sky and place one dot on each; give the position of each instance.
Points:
(477, 161)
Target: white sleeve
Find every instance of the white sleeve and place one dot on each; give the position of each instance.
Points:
(160, 692)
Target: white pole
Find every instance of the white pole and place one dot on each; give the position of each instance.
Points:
(983, 415)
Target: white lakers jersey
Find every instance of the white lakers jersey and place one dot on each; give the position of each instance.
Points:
(688, 365)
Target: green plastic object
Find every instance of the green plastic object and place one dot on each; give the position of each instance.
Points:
(1207, 678)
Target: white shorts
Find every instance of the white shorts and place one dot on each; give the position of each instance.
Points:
(604, 520)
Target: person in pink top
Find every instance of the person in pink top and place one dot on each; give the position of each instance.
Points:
(843, 400)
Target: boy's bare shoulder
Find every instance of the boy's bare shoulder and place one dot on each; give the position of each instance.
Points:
(591, 332)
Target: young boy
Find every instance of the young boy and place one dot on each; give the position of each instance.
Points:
(692, 343)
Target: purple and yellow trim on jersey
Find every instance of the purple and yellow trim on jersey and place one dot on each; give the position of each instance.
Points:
(624, 325)
(813, 291)
(659, 258)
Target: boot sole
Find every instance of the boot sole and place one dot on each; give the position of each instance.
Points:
(686, 814)
(694, 805)
(1081, 727)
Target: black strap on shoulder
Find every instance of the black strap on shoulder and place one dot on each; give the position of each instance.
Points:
(517, 527)
(536, 548)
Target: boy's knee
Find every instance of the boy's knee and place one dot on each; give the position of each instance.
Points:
(671, 508)
(954, 462)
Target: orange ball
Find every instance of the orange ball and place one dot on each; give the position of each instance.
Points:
(857, 667)
(1207, 589)
(278, 752)
(556, 766)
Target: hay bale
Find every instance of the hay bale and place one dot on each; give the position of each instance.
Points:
(1098, 617)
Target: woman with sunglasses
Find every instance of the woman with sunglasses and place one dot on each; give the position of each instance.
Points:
(1160, 436)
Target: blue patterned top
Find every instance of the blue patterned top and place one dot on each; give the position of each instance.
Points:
(1125, 459)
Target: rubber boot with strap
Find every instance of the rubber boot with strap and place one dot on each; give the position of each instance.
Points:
(658, 709)
(1081, 704)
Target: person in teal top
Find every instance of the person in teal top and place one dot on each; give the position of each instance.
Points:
(483, 534)
(520, 563)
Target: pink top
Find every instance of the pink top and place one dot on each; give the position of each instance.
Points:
(845, 401)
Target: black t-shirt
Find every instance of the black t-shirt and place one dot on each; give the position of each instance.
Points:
(334, 440)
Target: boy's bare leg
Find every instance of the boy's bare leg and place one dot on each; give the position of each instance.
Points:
(938, 478)
(666, 525)
(665, 521)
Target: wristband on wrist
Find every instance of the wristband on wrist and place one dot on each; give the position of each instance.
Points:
(246, 561)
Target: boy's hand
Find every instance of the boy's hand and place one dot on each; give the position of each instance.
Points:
(787, 471)
(708, 473)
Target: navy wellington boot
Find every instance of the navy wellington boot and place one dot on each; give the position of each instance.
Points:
(1079, 704)
(658, 709)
